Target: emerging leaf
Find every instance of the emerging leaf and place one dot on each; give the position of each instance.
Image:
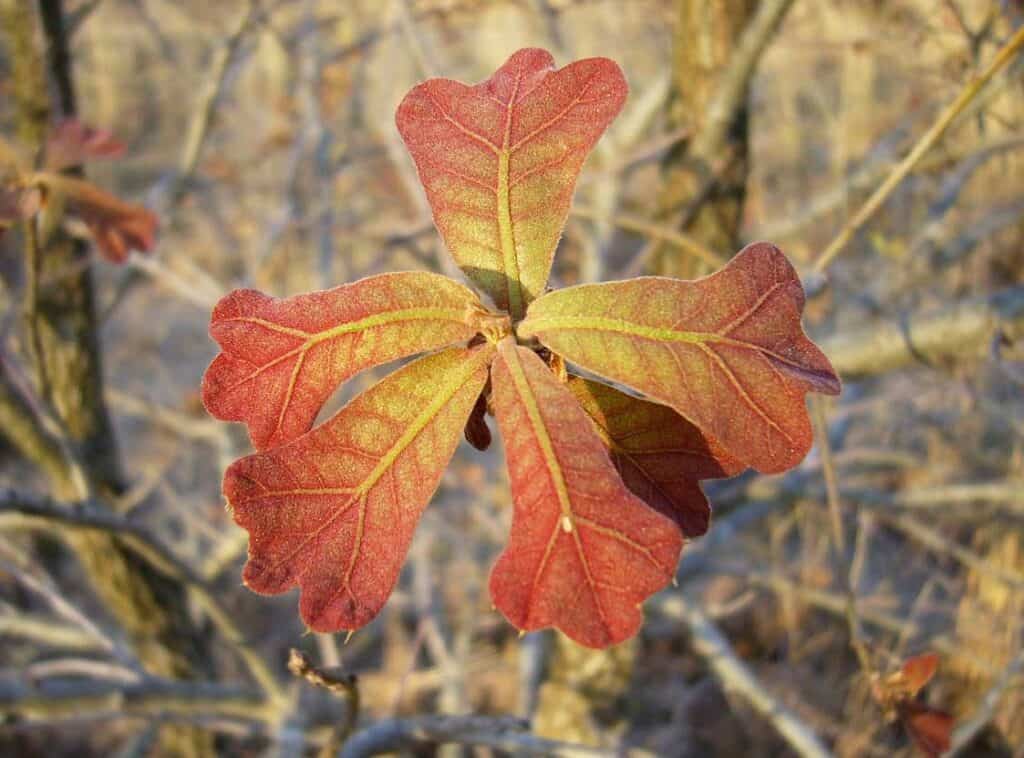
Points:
(930, 728)
(499, 162)
(282, 359)
(72, 143)
(584, 552)
(660, 455)
(117, 227)
(334, 510)
(726, 351)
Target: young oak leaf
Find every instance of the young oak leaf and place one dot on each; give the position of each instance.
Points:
(499, 162)
(117, 227)
(282, 358)
(72, 143)
(584, 551)
(334, 510)
(660, 456)
(726, 351)
(930, 728)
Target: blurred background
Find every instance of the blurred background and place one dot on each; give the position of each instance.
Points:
(262, 134)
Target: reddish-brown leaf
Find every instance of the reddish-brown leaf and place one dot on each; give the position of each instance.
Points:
(584, 551)
(72, 143)
(334, 510)
(477, 433)
(726, 351)
(660, 455)
(930, 728)
(918, 671)
(117, 227)
(282, 358)
(499, 162)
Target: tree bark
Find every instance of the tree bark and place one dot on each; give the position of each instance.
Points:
(63, 341)
(704, 188)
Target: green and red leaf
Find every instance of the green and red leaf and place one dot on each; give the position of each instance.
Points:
(726, 351)
(334, 510)
(584, 551)
(282, 359)
(499, 162)
(660, 456)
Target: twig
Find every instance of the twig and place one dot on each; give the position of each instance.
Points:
(927, 141)
(502, 733)
(986, 710)
(652, 230)
(136, 539)
(709, 642)
(152, 697)
(956, 330)
(936, 542)
(49, 633)
(335, 681)
(731, 90)
(202, 117)
(829, 471)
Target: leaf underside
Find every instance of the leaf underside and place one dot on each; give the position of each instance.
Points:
(282, 358)
(499, 161)
(584, 552)
(334, 510)
(726, 351)
(660, 456)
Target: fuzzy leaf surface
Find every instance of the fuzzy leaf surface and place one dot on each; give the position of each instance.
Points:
(584, 551)
(499, 162)
(282, 358)
(660, 455)
(726, 351)
(334, 510)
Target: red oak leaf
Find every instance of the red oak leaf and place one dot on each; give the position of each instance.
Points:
(72, 143)
(726, 351)
(930, 728)
(584, 552)
(334, 510)
(659, 454)
(282, 359)
(117, 227)
(499, 162)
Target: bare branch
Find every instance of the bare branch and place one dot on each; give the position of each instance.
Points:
(135, 538)
(153, 697)
(965, 327)
(501, 733)
(970, 90)
(709, 642)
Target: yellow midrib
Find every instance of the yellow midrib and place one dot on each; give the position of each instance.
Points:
(377, 319)
(539, 429)
(531, 326)
(506, 236)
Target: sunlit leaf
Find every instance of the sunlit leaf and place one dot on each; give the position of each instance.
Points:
(660, 455)
(499, 162)
(334, 510)
(282, 358)
(918, 671)
(584, 552)
(726, 351)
